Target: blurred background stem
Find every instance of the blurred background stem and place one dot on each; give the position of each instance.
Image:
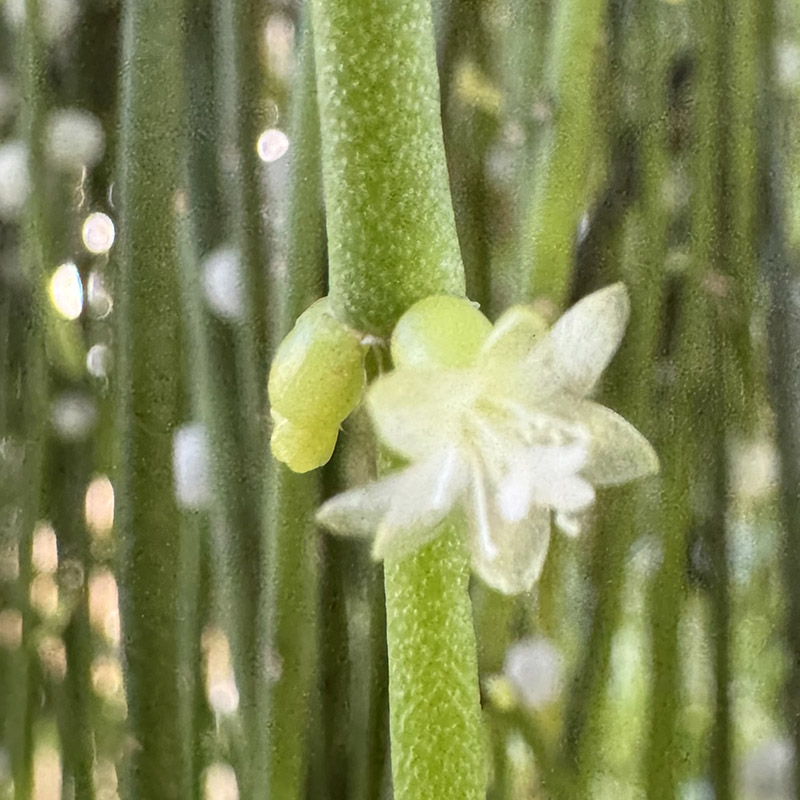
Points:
(149, 393)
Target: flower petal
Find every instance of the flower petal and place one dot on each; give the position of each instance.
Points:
(521, 553)
(572, 356)
(358, 512)
(418, 412)
(513, 337)
(587, 336)
(427, 493)
(508, 556)
(618, 453)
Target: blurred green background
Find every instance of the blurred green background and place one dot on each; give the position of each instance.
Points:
(172, 624)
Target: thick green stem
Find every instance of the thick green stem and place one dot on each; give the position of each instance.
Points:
(391, 234)
(437, 747)
(559, 195)
(148, 386)
(391, 242)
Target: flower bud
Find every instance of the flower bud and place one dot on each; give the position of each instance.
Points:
(316, 380)
(439, 331)
(302, 449)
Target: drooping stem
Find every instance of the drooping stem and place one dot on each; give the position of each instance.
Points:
(562, 169)
(148, 391)
(288, 611)
(26, 415)
(392, 241)
(239, 80)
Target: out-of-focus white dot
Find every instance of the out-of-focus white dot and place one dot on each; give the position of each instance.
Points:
(98, 233)
(73, 416)
(787, 58)
(58, 16)
(272, 144)
(66, 291)
(98, 361)
(190, 467)
(99, 506)
(97, 295)
(44, 554)
(74, 139)
(279, 40)
(15, 183)
(697, 789)
(220, 783)
(767, 771)
(223, 696)
(222, 283)
(534, 668)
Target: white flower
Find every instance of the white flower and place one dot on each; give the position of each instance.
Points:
(507, 440)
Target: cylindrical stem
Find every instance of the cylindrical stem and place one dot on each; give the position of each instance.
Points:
(392, 241)
(559, 191)
(391, 233)
(148, 384)
(437, 747)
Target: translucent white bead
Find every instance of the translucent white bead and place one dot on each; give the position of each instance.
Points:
(272, 145)
(66, 291)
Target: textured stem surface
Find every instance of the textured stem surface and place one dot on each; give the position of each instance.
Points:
(437, 750)
(391, 233)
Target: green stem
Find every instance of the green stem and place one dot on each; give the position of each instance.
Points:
(148, 392)
(189, 633)
(468, 132)
(288, 612)
(437, 744)
(392, 241)
(30, 411)
(69, 472)
(391, 234)
(559, 195)
(240, 80)
(631, 249)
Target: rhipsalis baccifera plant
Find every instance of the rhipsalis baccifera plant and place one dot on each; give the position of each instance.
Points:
(493, 421)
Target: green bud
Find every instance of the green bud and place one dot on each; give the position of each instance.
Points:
(317, 375)
(302, 449)
(439, 331)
